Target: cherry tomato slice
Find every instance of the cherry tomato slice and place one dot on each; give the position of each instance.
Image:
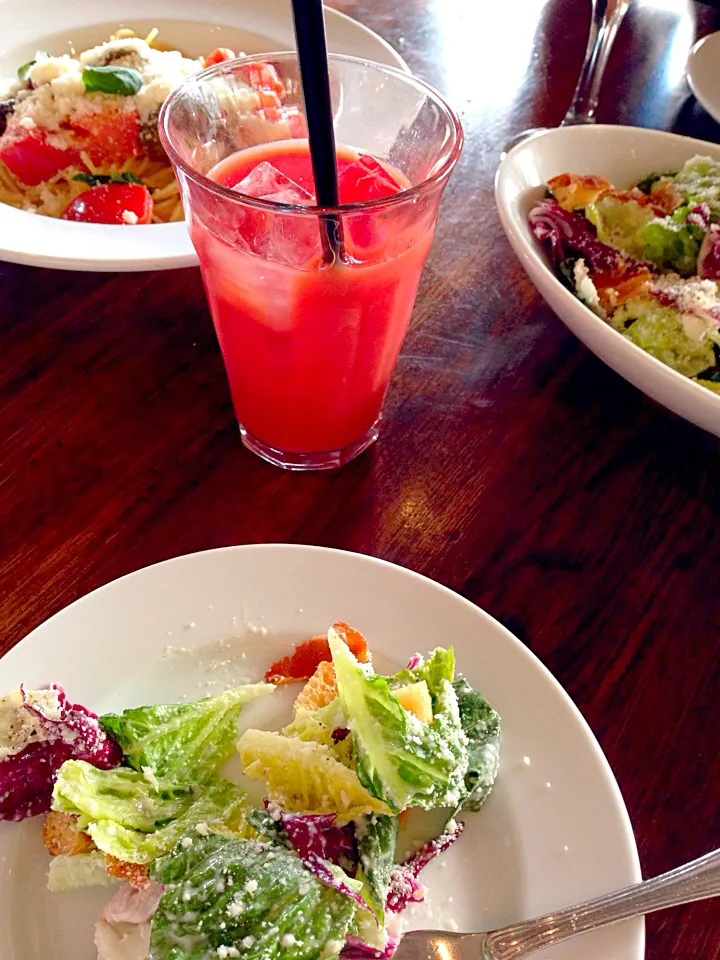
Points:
(264, 76)
(123, 203)
(219, 55)
(108, 138)
(304, 660)
(34, 161)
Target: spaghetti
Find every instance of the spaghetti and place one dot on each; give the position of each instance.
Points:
(81, 138)
(52, 197)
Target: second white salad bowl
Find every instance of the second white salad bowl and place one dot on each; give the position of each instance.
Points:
(623, 155)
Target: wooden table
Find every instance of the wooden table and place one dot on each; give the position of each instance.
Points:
(513, 466)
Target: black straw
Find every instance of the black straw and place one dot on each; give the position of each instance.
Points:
(312, 55)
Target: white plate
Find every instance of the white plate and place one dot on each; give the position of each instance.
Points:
(703, 73)
(623, 155)
(254, 26)
(554, 831)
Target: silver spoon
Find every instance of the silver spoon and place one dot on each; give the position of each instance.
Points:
(607, 16)
(697, 880)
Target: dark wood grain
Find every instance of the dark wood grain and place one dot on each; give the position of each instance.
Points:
(513, 466)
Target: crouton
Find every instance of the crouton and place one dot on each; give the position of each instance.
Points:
(136, 874)
(319, 691)
(574, 192)
(61, 834)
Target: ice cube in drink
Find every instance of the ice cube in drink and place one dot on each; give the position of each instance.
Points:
(282, 238)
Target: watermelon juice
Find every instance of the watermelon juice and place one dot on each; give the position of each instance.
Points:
(309, 334)
(310, 347)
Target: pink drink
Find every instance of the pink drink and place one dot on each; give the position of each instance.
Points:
(309, 348)
(309, 338)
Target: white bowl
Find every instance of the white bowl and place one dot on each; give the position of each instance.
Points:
(253, 26)
(623, 155)
(554, 831)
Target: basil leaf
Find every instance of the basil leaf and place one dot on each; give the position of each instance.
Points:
(123, 81)
(92, 179)
(24, 70)
(125, 177)
(96, 179)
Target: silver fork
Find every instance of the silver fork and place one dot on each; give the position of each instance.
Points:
(697, 880)
(607, 15)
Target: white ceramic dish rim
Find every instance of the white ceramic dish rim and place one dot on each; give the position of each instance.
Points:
(531, 254)
(46, 242)
(620, 815)
(703, 73)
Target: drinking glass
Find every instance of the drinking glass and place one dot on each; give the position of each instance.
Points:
(309, 339)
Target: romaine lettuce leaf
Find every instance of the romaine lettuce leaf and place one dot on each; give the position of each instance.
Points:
(400, 759)
(307, 726)
(183, 741)
(121, 795)
(218, 809)
(322, 726)
(620, 223)
(699, 180)
(436, 668)
(321, 845)
(672, 242)
(304, 776)
(376, 839)
(135, 820)
(659, 330)
(268, 826)
(482, 728)
(238, 898)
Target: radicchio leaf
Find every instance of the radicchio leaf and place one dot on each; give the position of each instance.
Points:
(567, 234)
(335, 877)
(328, 851)
(357, 949)
(72, 732)
(708, 264)
(316, 834)
(699, 216)
(78, 728)
(700, 298)
(404, 884)
(27, 777)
